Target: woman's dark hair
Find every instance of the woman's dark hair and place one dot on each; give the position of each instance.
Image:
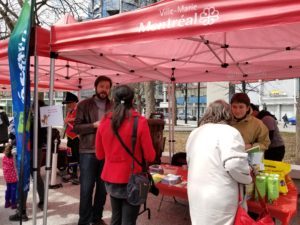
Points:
(123, 101)
(7, 150)
(254, 107)
(240, 98)
(264, 113)
(41, 103)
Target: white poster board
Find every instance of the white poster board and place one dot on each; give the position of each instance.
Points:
(51, 116)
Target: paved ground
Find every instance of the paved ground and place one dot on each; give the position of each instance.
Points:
(64, 203)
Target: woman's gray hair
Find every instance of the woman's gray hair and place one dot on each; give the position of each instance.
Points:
(217, 112)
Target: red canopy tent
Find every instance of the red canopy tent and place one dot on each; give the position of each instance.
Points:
(190, 41)
(43, 51)
(187, 41)
(203, 41)
(219, 40)
(69, 75)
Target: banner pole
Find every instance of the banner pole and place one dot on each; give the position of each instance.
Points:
(35, 133)
(19, 65)
(36, 118)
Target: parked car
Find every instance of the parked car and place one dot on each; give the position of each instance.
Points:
(292, 120)
(181, 116)
(191, 117)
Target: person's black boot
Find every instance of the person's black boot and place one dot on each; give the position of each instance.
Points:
(66, 178)
(74, 179)
(40, 205)
(17, 216)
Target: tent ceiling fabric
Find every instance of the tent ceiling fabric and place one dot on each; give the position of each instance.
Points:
(204, 41)
(69, 75)
(219, 40)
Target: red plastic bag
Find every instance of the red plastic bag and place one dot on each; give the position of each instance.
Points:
(242, 218)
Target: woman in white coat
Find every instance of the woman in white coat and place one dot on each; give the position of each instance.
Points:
(217, 163)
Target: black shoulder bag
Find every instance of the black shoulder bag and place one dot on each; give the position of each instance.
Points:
(139, 184)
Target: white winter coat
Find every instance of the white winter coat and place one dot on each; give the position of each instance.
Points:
(217, 162)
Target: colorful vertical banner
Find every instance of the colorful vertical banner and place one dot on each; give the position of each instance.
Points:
(18, 54)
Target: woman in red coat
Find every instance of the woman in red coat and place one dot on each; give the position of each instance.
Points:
(117, 166)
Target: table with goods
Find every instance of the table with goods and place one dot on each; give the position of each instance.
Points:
(273, 183)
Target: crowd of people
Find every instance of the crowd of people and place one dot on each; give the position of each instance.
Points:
(216, 155)
(218, 160)
(81, 125)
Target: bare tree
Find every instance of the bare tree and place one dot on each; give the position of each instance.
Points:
(149, 97)
(139, 92)
(46, 13)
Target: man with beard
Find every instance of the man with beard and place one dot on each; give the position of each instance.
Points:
(89, 113)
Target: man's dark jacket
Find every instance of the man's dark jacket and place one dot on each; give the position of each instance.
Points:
(87, 114)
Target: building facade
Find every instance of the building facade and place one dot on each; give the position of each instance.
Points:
(279, 97)
(104, 8)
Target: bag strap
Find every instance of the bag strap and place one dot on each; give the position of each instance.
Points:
(133, 143)
(133, 139)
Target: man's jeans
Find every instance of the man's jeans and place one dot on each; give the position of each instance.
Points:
(91, 210)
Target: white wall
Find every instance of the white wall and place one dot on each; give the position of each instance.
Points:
(217, 90)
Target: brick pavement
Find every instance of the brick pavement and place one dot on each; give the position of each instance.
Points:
(64, 204)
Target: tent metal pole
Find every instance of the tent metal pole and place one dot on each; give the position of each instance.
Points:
(35, 139)
(198, 105)
(244, 86)
(295, 98)
(170, 119)
(173, 116)
(49, 140)
(121, 6)
(79, 94)
(185, 103)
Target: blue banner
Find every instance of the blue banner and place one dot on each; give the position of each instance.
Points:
(18, 55)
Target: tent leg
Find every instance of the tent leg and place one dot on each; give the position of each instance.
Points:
(53, 183)
(49, 140)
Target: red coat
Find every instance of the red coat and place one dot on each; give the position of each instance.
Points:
(117, 166)
(9, 170)
(70, 125)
